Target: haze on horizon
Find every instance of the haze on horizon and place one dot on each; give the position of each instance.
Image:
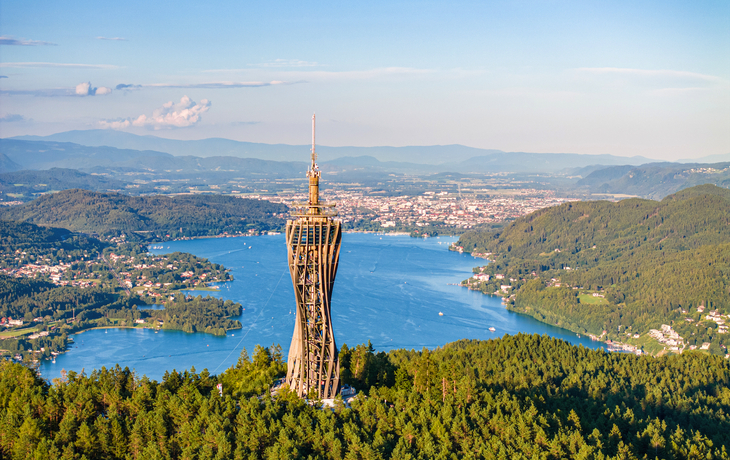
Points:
(624, 78)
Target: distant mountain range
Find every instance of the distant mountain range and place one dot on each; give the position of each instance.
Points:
(458, 158)
(220, 160)
(719, 158)
(40, 155)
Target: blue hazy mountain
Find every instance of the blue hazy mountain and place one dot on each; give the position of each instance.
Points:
(8, 165)
(477, 160)
(718, 158)
(41, 155)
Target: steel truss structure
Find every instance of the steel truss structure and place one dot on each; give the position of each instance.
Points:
(313, 248)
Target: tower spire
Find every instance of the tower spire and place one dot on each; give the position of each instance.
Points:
(313, 175)
(314, 154)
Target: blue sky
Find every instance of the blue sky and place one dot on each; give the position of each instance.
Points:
(624, 78)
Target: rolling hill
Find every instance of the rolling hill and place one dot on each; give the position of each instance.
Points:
(113, 213)
(651, 263)
(655, 180)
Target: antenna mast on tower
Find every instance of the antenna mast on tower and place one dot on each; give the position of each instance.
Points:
(314, 154)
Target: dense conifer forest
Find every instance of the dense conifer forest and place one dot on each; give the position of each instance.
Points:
(649, 263)
(518, 397)
(160, 216)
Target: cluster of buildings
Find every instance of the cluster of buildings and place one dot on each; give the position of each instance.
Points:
(669, 337)
(720, 320)
(622, 347)
(130, 273)
(54, 272)
(10, 322)
(434, 208)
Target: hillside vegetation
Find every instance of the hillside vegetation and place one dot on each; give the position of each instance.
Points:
(112, 213)
(519, 397)
(654, 262)
(655, 180)
(22, 243)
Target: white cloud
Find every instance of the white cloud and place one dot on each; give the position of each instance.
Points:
(117, 39)
(115, 124)
(183, 114)
(56, 64)
(7, 40)
(85, 89)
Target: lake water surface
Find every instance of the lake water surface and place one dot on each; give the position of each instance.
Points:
(389, 290)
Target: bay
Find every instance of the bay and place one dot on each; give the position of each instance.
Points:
(389, 289)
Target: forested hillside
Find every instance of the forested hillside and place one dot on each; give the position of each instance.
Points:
(519, 397)
(655, 180)
(22, 242)
(649, 263)
(112, 213)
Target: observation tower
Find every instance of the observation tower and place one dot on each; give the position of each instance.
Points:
(313, 240)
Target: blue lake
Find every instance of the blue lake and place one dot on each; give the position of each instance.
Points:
(389, 290)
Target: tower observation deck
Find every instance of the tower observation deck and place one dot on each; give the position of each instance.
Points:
(313, 240)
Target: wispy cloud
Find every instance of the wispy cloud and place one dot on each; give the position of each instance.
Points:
(56, 65)
(649, 73)
(80, 90)
(207, 85)
(244, 123)
(12, 117)
(308, 75)
(7, 40)
(181, 115)
(47, 92)
(3, 76)
(116, 39)
(286, 63)
(369, 74)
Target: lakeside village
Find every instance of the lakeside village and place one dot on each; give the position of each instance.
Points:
(155, 279)
(148, 275)
(666, 336)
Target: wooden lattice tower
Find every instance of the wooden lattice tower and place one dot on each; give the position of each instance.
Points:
(313, 245)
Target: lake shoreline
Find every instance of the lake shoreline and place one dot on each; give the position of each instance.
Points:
(388, 291)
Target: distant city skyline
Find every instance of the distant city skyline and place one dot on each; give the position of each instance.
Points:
(624, 78)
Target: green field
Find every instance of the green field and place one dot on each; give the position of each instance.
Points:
(588, 299)
(17, 332)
